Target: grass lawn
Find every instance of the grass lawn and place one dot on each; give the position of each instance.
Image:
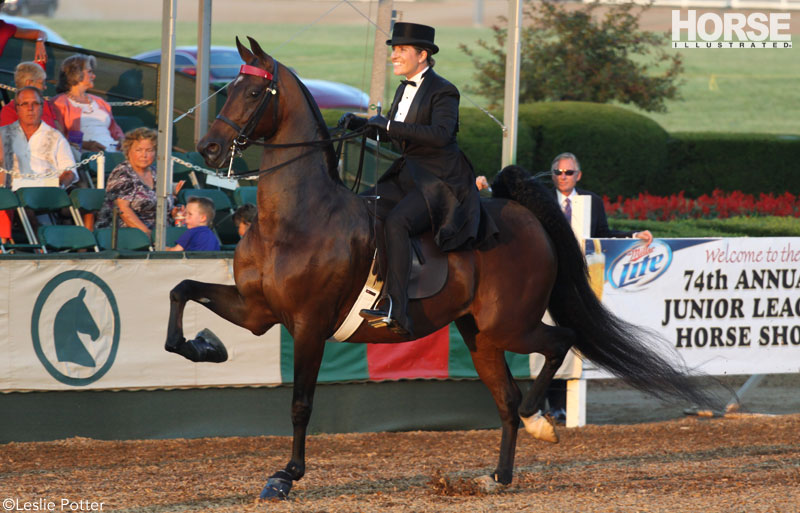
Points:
(723, 91)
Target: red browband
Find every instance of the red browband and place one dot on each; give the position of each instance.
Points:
(252, 70)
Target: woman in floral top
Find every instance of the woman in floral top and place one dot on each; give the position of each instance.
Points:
(132, 184)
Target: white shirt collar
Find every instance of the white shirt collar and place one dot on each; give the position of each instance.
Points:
(417, 79)
(571, 196)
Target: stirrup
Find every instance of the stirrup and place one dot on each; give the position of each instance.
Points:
(382, 322)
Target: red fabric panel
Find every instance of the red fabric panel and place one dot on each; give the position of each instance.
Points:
(426, 357)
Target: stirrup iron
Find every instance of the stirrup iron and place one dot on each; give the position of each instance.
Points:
(382, 322)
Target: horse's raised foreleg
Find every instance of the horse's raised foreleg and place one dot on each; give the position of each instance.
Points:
(308, 350)
(553, 343)
(225, 301)
(491, 366)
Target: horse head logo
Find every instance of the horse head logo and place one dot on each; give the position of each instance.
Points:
(72, 320)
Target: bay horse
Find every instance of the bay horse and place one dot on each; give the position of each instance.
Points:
(304, 260)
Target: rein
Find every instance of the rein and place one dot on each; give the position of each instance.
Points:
(244, 133)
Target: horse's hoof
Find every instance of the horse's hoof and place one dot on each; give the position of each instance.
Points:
(206, 347)
(277, 487)
(487, 484)
(541, 427)
(211, 346)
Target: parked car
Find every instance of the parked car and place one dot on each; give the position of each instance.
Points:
(27, 7)
(225, 63)
(52, 36)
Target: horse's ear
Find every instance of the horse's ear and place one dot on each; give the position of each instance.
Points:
(244, 52)
(261, 54)
(82, 293)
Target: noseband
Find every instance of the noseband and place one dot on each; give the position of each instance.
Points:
(243, 133)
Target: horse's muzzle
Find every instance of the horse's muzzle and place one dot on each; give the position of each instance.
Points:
(212, 152)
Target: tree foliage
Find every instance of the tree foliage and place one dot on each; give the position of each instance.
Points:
(590, 53)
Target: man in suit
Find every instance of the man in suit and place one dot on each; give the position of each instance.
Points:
(433, 179)
(566, 172)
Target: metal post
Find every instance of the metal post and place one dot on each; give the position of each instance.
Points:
(477, 13)
(380, 53)
(166, 93)
(203, 67)
(511, 96)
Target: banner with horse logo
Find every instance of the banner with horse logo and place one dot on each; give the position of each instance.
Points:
(77, 324)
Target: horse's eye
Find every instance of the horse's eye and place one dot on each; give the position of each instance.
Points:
(255, 93)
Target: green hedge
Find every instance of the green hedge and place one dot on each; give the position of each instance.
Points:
(621, 152)
(752, 163)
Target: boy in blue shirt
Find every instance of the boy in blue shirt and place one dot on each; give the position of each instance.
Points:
(199, 237)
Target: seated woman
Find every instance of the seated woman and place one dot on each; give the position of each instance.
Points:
(132, 184)
(29, 74)
(86, 118)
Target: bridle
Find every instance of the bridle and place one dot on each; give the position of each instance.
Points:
(244, 134)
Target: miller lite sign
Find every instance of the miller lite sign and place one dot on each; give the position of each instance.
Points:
(635, 268)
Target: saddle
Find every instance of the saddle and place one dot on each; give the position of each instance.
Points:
(428, 264)
(427, 277)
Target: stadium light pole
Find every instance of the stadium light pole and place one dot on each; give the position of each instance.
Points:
(380, 54)
(203, 66)
(166, 98)
(511, 94)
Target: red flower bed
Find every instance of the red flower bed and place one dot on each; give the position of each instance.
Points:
(719, 205)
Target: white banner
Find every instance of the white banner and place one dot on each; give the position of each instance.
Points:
(101, 324)
(726, 306)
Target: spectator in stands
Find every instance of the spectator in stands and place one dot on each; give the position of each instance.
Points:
(7, 31)
(131, 187)
(29, 74)
(244, 217)
(35, 153)
(87, 119)
(199, 219)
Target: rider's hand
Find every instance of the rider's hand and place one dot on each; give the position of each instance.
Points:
(378, 122)
(351, 121)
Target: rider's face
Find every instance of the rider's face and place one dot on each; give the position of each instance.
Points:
(407, 61)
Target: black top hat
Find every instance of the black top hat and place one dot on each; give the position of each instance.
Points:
(413, 34)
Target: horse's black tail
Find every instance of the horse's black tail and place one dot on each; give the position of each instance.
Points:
(602, 337)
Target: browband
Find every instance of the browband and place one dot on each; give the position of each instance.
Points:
(252, 70)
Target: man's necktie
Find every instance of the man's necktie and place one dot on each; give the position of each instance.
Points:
(568, 210)
(409, 82)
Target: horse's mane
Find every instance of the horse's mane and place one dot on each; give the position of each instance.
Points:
(330, 153)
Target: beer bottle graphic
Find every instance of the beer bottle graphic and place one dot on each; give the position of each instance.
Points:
(596, 262)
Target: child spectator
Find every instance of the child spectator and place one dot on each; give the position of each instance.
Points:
(244, 217)
(199, 237)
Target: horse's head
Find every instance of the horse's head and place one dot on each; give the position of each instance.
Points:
(251, 110)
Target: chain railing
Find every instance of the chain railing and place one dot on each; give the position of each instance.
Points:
(195, 167)
(129, 103)
(51, 174)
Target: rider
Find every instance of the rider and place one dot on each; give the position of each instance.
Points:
(435, 180)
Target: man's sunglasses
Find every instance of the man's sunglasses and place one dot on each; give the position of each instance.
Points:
(568, 172)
